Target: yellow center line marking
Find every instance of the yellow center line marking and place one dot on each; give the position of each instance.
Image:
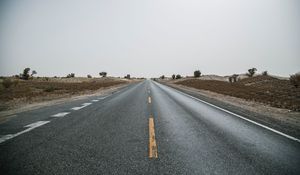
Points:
(152, 141)
(149, 99)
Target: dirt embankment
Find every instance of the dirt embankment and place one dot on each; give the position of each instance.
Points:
(264, 89)
(23, 92)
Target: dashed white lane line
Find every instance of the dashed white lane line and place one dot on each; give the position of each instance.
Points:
(83, 105)
(101, 98)
(40, 123)
(61, 114)
(30, 127)
(86, 104)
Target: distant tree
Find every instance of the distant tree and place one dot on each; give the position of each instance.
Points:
(103, 74)
(295, 79)
(178, 76)
(197, 73)
(127, 76)
(33, 72)
(89, 76)
(233, 78)
(71, 75)
(173, 76)
(251, 72)
(162, 77)
(25, 75)
(265, 73)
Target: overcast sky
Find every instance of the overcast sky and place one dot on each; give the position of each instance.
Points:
(149, 38)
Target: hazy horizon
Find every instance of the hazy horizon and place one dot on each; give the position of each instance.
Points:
(149, 38)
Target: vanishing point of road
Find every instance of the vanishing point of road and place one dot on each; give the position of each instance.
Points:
(144, 128)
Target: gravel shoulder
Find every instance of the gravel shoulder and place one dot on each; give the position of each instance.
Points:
(284, 120)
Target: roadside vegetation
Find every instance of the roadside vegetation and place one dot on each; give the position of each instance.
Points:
(103, 74)
(28, 88)
(173, 76)
(252, 86)
(197, 73)
(178, 76)
(268, 90)
(15, 91)
(251, 72)
(71, 75)
(127, 76)
(233, 78)
(295, 80)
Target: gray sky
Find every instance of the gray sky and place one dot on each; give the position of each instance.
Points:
(149, 38)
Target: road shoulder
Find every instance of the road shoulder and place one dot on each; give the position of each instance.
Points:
(283, 120)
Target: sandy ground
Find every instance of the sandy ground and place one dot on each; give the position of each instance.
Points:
(4, 115)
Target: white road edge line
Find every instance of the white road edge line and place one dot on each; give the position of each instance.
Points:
(83, 105)
(61, 114)
(30, 127)
(244, 118)
(101, 98)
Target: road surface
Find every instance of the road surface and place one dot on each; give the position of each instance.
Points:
(144, 128)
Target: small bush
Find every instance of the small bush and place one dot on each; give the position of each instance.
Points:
(7, 83)
(103, 74)
(15, 83)
(162, 77)
(33, 72)
(49, 89)
(233, 78)
(265, 73)
(178, 76)
(197, 73)
(127, 76)
(25, 75)
(295, 80)
(71, 75)
(89, 76)
(173, 76)
(251, 72)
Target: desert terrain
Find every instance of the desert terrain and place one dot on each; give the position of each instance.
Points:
(18, 93)
(268, 90)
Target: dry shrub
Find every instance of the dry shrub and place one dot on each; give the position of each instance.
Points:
(49, 89)
(7, 83)
(295, 80)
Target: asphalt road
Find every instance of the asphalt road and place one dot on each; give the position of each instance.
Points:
(145, 128)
